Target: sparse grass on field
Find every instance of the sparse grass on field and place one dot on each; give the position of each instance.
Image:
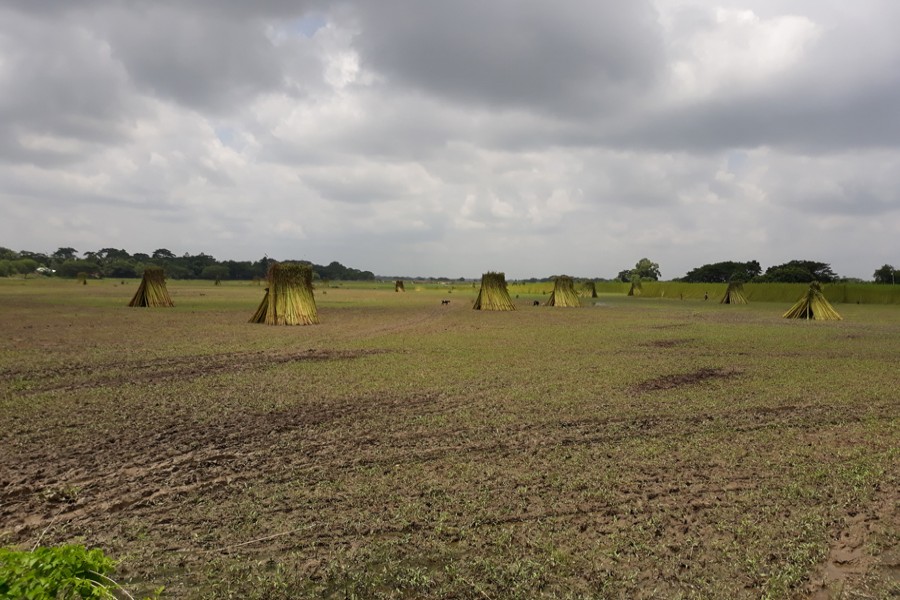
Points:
(634, 448)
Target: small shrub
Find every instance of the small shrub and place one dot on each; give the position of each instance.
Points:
(60, 572)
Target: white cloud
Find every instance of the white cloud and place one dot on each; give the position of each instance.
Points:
(734, 49)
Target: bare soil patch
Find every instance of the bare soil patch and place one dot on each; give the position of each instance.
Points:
(669, 343)
(72, 377)
(668, 382)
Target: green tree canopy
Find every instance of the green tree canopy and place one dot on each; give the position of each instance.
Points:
(723, 272)
(646, 269)
(113, 262)
(799, 271)
(886, 274)
(162, 253)
(111, 254)
(120, 269)
(23, 266)
(214, 272)
(71, 268)
(63, 254)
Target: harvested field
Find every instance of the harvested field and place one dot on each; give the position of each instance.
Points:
(642, 448)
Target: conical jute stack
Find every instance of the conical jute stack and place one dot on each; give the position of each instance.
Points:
(289, 298)
(734, 294)
(493, 294)
(589, 289)
(813, 305)
(564, 293)
(398, 286)
(152, 291)
(636, 286)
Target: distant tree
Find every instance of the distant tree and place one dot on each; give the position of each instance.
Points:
(239, 269)
(886, 274)
(195, 264)
(71, 268)
(723, 272)
(7, 254)
(63, 254)
(624, 276)
(787, 274)
(39, 257)
(214, 272)
(23, 266)
(647, 270)
(162, 253)
(107, 255)
(177, 271)
(799, 271)
(337, 271)
(261, 267)
(120, 269)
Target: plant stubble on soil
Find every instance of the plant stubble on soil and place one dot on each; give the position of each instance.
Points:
(636, 448)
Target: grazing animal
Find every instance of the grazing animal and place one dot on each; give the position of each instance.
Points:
(444, 302)
(536, 303)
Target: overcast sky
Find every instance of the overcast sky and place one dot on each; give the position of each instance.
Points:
(451, 138)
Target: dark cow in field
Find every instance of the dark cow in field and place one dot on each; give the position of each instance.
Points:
(443, 302)
(536, 303)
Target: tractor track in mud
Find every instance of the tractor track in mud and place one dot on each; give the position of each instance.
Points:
(87, 376)
(92, 483)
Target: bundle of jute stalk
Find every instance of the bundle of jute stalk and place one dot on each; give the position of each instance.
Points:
(813, 305)
(260, 315)
(289, 298)
(152, 291)
(734, 294)
(636, 286)
(564, 293)
(493, 294)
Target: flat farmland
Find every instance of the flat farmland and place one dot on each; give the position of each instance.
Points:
(632, 448)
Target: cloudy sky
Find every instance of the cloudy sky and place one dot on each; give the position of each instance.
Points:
(451, 138)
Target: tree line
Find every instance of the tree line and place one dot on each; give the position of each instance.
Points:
(794, 271)
(119, 264)
(116, 263)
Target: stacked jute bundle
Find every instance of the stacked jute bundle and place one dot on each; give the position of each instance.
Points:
(563, 293)
(636, 286)
(589, 289)
(260, 315)
(493, 294)
(813, 305)
(152, 291)
(398, 286)
(734, 294)
(289, 298)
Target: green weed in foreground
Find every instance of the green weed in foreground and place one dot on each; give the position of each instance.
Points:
(69, 571)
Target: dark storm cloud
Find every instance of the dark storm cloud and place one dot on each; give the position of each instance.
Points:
(60, 94)
(557, 58)
(204, 61)
(856, 119)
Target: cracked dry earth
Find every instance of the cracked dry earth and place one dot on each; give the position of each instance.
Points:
(464, 492)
